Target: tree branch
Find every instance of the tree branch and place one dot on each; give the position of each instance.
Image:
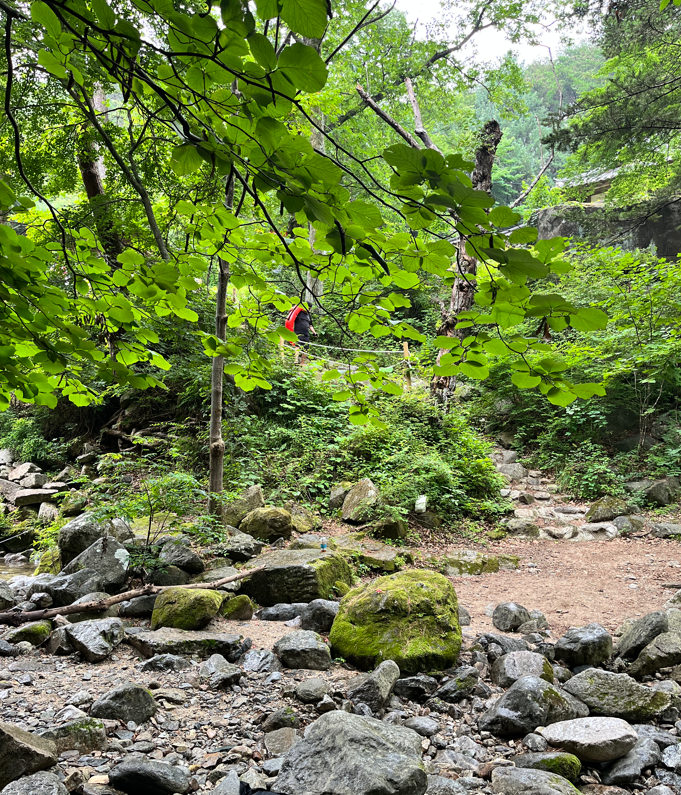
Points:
(532, 185)
(15, 619)
(419, 129)
(399, 129)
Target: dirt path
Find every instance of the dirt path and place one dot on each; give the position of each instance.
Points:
(575, 583)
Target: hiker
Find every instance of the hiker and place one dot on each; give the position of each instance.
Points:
(300, 322)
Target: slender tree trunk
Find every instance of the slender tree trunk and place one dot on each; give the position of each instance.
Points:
(463, 290)
(217, 443)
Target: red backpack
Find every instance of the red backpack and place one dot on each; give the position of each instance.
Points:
(291, 317)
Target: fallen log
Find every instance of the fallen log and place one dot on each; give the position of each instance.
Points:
(15, 619)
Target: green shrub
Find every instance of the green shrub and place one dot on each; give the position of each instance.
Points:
(24, 437)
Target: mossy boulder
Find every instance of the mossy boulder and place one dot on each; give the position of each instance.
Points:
(359, 549)
(411, 617)
(360, 502)
(558, 762)
(617, 695)
(268, 523)
(250, 499)
(296, 575)
(392, 529)
(341, 588)
(83, 734)
(303, 521)
(35, 633)
(240, 608)
(469, 562)
(606, 509)
(50, 562)
(185, 608)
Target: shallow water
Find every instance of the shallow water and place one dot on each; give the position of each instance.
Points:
(7, 572)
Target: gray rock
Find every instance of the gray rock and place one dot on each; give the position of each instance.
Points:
(462, 683)
(228, 785)
(319, 615)
(154, 778)
(310, 691)
(663, 738)
(36, 480)
(169, 575)
(559, 762)
(510, 667)
(524, 781)
(126, 702)
(107, 557)
(59, 642)
(42, 783)
(83, 734)
(260, 660)
(344, 754)
(360, 501)
(662, 652)
(662, 492)
(524, 528)
(303, 649)
(513, 471)
(281, 611)
(280, 741)
(219, 673)
(589, 645)
(640, 633)
(271, 767)
(441, 785)
(629, 524)
(240, 547)
(80, 533)
(645, 754)
(65, 589)
(616, 695)
(592, 739)
(168, 640)
(268, 524)
(606, 509)
(508, 616)
(671, 757)
(507, 643)
(139, 607)
(23, 753)
(95, 640)
(661, 789)
(250, 499)
(175, 553)
(424, 726)
(32, 496)
(535, 742)
(338, 494)
(165, 662)
(7, 649)
(529, 703)
(415, 688)
(597, 531)
(464, 617)
(6, 596)
(665, 530)
(280, 719)
(374, 690)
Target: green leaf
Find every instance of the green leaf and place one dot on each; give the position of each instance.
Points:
(525, 235)
(341, 396)
(185, 160)
(307, 17)
(263, 51)
(46, 59)
(503, 217)
(589, 319)
(560, 397)
(447, 342)
(267, 9)
(43, 15)
(303, 67)
(523, 380)
(331, 375)
(104, 14)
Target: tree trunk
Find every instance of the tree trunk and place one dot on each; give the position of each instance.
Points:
(463, 290)
(104, 218)
(217, 443)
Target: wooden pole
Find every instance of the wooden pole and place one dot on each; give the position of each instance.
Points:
(407, 374)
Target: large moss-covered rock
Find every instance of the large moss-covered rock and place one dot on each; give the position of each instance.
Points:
(49, 563)
(250, 499)
(36, 632)
(469, 561)
(411, 618)
(558, 762)
(240, 608)
(185, 608)
(267, 524)
(303, 520)
(296, 575)
(606, 509)
(616, 695)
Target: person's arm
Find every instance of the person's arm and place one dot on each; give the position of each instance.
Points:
(312, 330)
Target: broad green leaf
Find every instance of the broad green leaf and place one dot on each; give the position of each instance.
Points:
(267, 9)
(43, 15)
(263, 51)
(104, 14)
(523, 380)
(185, 160)
(589, 319)
(307, 17)
(47, 59)
(503, 217)
(525, 235)
(303, 67)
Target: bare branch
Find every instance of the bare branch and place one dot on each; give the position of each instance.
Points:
(419, 129)
(399, 129)
(532, 185)
(363, 23)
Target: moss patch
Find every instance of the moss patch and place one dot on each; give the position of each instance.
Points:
(185, 608)
(50, 562)
(240, 608)
(411, 618)
(36, 632)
